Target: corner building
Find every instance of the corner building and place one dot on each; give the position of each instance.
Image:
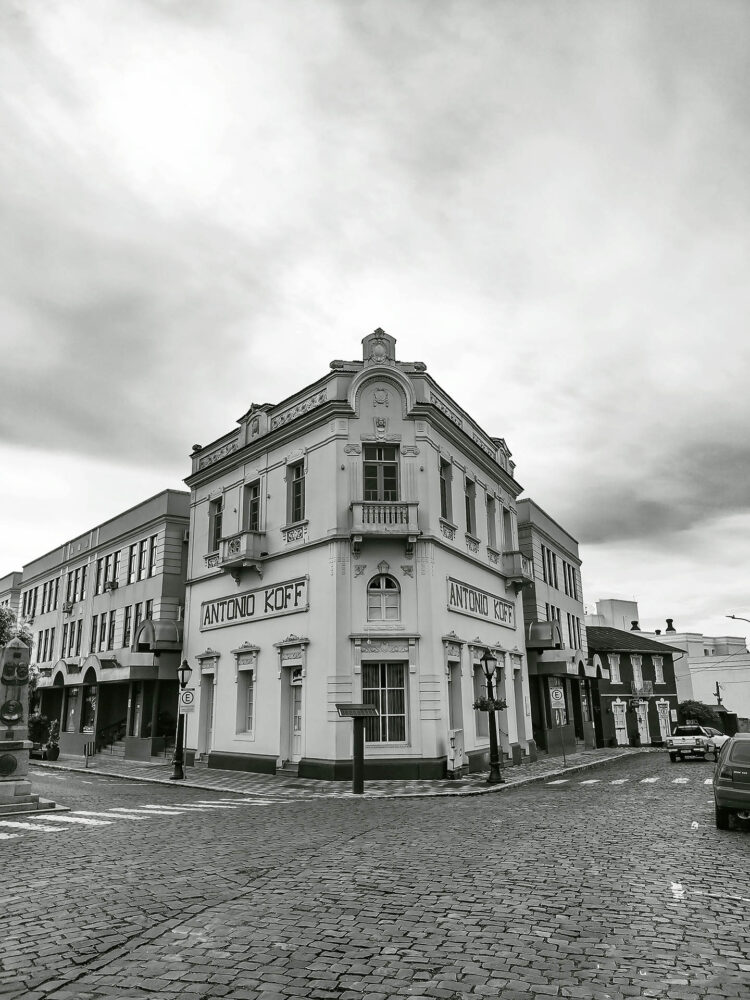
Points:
(356, 542)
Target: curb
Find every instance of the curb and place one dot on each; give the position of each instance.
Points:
(507, 786)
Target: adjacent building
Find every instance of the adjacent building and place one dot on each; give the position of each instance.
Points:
(106, 613)
(636, 697)
(355, 543)
(561, 676)
(714, 670)
(10, 591)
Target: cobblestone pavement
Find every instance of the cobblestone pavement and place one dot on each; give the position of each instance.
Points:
(610, 884)
(283, 786)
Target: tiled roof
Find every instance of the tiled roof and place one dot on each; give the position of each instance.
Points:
(603, 639)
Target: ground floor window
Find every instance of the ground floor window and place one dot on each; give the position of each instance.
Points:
(88, 709)
(482, 719)
(71, 710)
(245, 701)
(384, 685)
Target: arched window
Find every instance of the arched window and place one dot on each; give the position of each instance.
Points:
(383, 599)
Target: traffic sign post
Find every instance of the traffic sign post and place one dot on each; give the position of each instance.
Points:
(358, 714)
(187, 700)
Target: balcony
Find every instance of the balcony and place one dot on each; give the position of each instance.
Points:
(384, 519)
(246, 549)
(643, 690)
(518, 570)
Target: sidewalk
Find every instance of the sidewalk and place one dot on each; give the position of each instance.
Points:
(283, 787)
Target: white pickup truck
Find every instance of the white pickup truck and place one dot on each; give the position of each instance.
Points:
(694, 741)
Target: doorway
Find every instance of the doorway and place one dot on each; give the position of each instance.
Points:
(641, 714)
(662, 710)
(296, 721)
(621, 728)
(207, 711)
(455, 705)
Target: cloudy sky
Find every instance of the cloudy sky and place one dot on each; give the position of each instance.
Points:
(202, 202)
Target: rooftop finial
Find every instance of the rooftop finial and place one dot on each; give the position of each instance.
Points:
(379, 348)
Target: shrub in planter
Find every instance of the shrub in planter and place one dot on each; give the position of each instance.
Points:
(53, 741)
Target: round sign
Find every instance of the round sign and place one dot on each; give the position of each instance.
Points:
(557, 696)
(187, 697)
(8, 764)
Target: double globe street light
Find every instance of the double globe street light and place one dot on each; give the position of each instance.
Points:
(184, 673)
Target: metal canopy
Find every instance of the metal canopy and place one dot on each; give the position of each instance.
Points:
(348, 710)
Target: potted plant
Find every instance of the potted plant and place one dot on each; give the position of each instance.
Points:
(53, 741)
(38, 733)
(489, 704)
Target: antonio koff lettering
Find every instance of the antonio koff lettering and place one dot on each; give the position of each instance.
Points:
(285, 598)
(477, 603)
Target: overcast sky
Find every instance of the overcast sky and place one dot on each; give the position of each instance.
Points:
(203, 202)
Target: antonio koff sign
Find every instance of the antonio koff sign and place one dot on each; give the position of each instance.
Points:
(285, 598)
(468, 600)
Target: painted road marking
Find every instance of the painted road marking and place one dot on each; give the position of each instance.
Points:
(560, 781)
(619, 781)
(17, 825)
(80, 819)
(708, 781)
(198, 805)
(144, 812)
(648, 781)
(590, 781)
(109, 815)
(9, 836)
(680, 781)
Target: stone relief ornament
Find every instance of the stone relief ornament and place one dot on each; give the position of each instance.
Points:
(353, 449)
(383, 567)
(410, 450)
(408, 570)
(380, 396)
(359, 569)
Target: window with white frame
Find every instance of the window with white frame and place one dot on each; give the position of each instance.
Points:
(614, 667)
(383, 599)
(446, 484)
(658, 669)
(215, 514)
(384, 685)
(245, 700)
(380, 468)
(491, 522)
(295, 492)
(252, 506)
(470, 497)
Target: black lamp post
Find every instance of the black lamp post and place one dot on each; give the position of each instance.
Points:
(184, 673)
(489, 665)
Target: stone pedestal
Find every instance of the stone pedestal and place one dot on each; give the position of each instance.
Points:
(15, 788)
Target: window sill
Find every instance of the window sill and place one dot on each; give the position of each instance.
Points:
(244, 737)
(295, 532)
(448, 528)
(472, 543)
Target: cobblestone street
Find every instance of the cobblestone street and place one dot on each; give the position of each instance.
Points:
(608, 883)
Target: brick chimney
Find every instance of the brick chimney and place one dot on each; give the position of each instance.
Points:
(657, 631)
(670, 626)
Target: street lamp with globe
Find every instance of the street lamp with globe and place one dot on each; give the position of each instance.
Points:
(184, 673)
(489, 666)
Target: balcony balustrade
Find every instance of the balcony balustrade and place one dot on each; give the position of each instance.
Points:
(385, 518)
(518, 570)
(247, 548)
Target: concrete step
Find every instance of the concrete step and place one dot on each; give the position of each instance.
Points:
(26, 804)
(289, 770)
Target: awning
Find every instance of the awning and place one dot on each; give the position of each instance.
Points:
(559, 663)
(159, 635)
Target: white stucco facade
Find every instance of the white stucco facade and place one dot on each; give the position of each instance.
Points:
(366, 551)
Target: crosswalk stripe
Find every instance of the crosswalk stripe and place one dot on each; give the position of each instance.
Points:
(17, 825)
(9, 836)
(708, 781)
(109, 815)
(619, 781)
(559, 781)
(590, 781)
(191, 805)
(76, 819)
(680, 781)
(648, 781)
(145, 812)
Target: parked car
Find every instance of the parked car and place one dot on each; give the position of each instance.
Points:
(718, 739)
(690, 741)
(732, 780)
